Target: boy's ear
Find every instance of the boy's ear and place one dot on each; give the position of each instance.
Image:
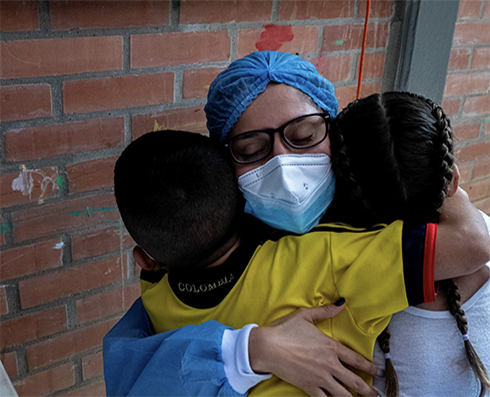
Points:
(453, 187)
(142, 259)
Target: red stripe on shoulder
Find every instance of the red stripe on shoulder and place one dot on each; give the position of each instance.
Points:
(429, 262)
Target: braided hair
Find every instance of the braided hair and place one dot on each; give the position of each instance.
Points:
(393, 159)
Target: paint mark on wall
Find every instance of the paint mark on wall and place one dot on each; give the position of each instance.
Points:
(273, 37)
(156, 126)
(30, 180)
(89, 211)
(5, 228)
(61, 184)
(486, 121)
(339, 42)
(59, 246)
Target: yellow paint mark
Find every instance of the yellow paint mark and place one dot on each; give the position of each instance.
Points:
(156, 126)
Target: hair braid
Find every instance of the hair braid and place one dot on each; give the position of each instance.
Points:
(453, 299)
(391, 378)
(445, 165)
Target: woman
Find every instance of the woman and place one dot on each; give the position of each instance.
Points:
(252, 103)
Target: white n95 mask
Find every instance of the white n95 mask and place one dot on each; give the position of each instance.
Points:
(290, 192)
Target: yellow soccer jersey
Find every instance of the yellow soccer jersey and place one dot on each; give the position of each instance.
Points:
(379, 272)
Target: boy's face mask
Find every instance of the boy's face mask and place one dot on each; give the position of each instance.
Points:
(290, 192)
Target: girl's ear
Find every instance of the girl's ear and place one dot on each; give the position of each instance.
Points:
(453, 187)
(142, 259)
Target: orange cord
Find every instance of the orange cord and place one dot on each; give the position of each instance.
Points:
(364, 39)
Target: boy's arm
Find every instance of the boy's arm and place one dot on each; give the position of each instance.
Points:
(463, 242)
(139, 363)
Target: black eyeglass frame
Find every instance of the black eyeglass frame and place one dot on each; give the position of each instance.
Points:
(271, 132)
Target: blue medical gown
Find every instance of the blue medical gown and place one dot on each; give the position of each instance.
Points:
(183, 362)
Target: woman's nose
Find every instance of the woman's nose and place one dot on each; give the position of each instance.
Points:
(279, 147)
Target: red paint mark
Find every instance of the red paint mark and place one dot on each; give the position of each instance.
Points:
(273, 37)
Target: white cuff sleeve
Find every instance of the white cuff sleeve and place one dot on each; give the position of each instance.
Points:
(234, 347)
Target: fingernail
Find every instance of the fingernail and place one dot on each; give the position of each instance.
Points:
(339, 302)
(380, 373)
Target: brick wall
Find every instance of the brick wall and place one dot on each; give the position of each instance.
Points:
(80, 80)
(467, 98)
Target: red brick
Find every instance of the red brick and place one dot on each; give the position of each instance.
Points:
(47, 382)
(463, 132)
(124, 92)
(187, 119)
(179, 48)
(487, 126)
(481, 169)
(99, 242)
(451, 106)
(92, 366)
(477, 105)
(467, 83)
(473, 152)
(131, 293)
(295, 39)
(222, 11)
(22, 102)
(483, 205)
(91, 175)
(59, 139)
(57, 218)
(481, 58)
(379, 9)
(300, 9)
(90, 14)
(30, 259)
(471, 33)
(459, 59)
(46, 57)
(3, 300)
(9, 361)
(30, 327)
(334, 68)
(374, 65)
(95, 307)
(68, 344)
(16, 16)
(96, 389)
(196, 82)
(465, 171)
(469, 9)
(347, 94)
(66, 282)
(478, 190)
(27, 186)
(349, 37)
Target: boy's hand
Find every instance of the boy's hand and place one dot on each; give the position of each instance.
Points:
(293, 349)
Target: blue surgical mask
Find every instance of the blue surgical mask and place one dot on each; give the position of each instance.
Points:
(290, 192)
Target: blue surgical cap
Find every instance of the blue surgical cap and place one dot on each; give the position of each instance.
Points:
(236, 87)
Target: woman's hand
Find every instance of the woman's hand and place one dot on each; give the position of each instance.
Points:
(293, 349)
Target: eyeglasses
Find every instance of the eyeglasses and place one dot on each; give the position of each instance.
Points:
(300, 133)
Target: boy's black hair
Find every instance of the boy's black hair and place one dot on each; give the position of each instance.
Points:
(178, 197)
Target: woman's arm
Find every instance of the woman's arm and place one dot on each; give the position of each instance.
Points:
(184, 362)
(463, 242)
(188, 362)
